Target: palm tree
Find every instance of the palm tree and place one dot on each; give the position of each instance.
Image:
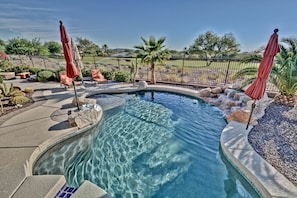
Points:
(151, 52)
(283, 74)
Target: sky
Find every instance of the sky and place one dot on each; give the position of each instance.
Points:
(122, 23)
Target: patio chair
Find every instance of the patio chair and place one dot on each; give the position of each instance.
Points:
(97, 76)
(66, 81)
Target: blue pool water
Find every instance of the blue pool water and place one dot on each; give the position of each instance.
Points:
(156, 145)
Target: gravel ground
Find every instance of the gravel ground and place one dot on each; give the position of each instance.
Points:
(275, 139)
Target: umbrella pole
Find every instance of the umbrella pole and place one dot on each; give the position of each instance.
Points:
(75, 95)
(253, 107)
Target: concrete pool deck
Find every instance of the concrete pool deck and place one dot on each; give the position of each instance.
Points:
(22, 133)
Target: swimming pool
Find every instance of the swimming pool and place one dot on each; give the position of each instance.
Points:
(157, 144)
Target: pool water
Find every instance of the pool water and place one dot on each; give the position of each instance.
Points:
(158, 144)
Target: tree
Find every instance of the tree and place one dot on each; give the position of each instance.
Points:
(53, 47)
(105, 50)
(38, 47)
(283, 74)
(209, 46)
(151, 52)
(87, 47)
(23, 46)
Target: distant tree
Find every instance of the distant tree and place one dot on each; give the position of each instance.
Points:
(209, 46)
(23, 46)
(53, 47)
(87, 47)
(228, 46)
(19, 46)
(38, 47)
(105, 50)
(151, 52)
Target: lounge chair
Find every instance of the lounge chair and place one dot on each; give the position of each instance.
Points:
(97, 76)
(66, 81)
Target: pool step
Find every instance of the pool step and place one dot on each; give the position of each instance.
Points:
(90, 190)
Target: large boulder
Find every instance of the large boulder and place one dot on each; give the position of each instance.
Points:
(240, 116)
(205, 92)
(216, 90)
(82, 101)
(84, 118)
(142, 84)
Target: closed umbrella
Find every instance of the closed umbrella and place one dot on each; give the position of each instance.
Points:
(71, 69)
(257, 89)
(77, 59)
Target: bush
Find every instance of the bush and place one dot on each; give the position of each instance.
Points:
(34, 70)
(46, 75)
(109, 75)
(86, 73)
(1, 79)
(21, 69)
(19, 100)
(6, 66)
(122, 77)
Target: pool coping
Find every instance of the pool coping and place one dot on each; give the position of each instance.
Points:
(234, 142)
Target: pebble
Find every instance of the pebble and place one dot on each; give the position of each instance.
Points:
(275, 139)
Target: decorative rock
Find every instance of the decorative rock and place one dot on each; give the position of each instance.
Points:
(142, 84)
(205, 92)
(82, 101)
(216, 90)
(240, 116)
(84, 118)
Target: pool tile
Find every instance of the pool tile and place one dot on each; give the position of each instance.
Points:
(66, 192)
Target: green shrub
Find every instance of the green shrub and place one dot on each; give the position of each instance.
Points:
(21, 69)
(46, 75)
(34, 70)
(1, 79)
(19, 100)
(122, 77)
(86, 73)
(109, 75)
(6, 66)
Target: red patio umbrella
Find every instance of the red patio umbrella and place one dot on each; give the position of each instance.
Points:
(71, 69)
(257, 89)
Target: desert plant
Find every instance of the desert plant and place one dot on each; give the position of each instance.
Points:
(133, 72)
(28, 90)
(17, 93)
(19, 100)
(283, 74)
(5, 90)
